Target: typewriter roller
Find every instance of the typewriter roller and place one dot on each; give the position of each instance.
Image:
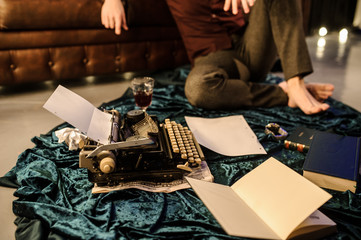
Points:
(140, 148)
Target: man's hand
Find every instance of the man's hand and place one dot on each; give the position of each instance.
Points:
(113, 16)
(246, 4)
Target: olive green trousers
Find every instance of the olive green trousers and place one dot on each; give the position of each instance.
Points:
(231, 78)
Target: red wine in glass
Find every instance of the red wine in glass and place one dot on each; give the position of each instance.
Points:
(143, 99)
(142, 90)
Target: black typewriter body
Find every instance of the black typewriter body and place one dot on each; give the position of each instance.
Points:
(141, 148)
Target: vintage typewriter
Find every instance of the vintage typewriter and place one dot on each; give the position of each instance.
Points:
(141, 148)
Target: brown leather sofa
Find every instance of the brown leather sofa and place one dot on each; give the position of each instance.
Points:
(64, 39)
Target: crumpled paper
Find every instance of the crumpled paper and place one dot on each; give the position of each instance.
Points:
(72, 137)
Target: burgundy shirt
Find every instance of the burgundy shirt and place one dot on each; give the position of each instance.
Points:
(204, 26)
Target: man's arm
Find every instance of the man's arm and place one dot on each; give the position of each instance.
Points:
(113, 16)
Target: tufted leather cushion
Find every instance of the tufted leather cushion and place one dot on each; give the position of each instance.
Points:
(53, 38)
(35, 65)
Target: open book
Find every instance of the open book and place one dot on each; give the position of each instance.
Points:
(270, 202)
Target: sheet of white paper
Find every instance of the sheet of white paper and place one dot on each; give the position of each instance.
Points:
(100, 126)
(80, 113)
(230, 136)
(280, 196)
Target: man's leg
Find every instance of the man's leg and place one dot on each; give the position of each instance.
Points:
(274, 27)
(220, 81)
(277, 25)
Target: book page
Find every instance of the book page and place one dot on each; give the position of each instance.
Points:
(230, 210)
(280, 196)
(330, 182)
(230, 136)
(315, 222)
(80, 113)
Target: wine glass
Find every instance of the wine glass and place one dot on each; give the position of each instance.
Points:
(143, 91)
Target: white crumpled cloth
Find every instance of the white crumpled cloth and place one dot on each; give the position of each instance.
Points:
(71, 136)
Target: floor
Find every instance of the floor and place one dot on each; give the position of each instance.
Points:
(23, 117)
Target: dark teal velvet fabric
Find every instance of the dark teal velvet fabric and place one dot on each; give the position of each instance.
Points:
(55, 199)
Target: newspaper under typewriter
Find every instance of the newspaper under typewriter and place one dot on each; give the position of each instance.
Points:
(141, 148)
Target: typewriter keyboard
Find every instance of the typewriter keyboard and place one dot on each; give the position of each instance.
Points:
(183, 143)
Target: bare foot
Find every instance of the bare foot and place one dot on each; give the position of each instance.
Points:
(308, 97)
(320, 91)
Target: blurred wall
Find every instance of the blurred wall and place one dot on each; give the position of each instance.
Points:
(332, 14)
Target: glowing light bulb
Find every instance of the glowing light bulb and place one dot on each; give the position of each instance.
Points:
(343, 35)
(322, 32)
(321, 43)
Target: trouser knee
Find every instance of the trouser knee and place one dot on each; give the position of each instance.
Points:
(202, 85)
